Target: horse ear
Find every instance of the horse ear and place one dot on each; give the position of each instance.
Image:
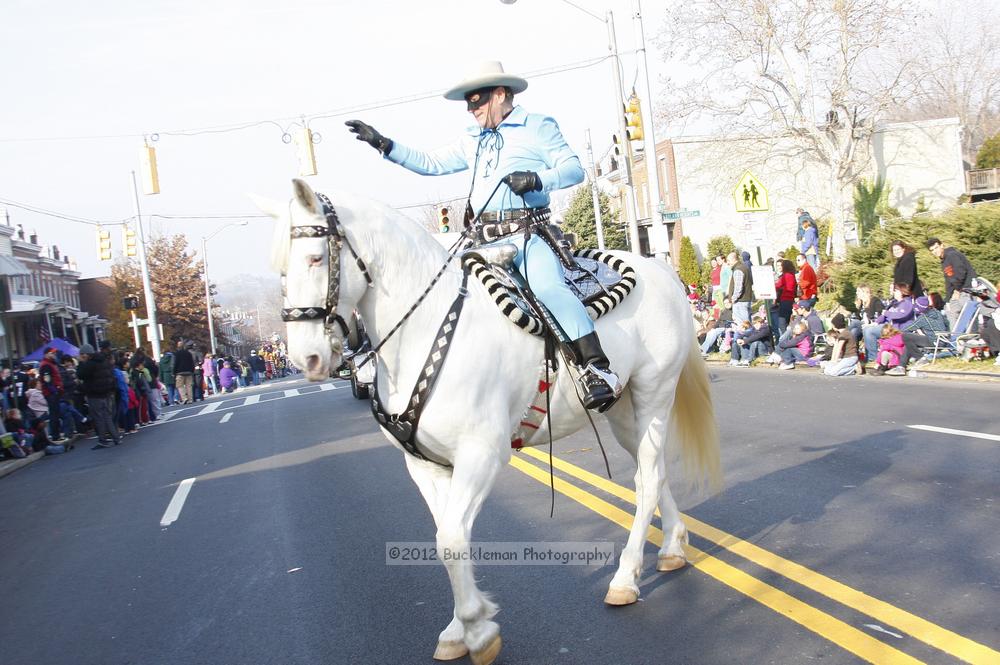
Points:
(305, 195)
(269, 206)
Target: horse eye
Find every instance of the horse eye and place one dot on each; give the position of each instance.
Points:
(315, 260)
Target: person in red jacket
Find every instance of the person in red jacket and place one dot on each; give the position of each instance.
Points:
(784, 287)
(807, 280)
(52, 389)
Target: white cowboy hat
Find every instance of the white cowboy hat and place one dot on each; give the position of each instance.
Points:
(486, 74)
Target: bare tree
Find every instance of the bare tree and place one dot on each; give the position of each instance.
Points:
(806, 78)
(958, 71)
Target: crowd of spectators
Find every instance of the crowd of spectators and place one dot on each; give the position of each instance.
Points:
(109, 393)
(881, 335)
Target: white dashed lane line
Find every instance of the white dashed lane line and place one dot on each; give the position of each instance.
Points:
(957, 432)
(249, 400)
(173, 510)
(225, 418)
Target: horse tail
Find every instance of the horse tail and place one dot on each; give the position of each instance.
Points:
(694, 424)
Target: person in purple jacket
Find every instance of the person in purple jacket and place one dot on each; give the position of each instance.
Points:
(227, 377)
(900, 312)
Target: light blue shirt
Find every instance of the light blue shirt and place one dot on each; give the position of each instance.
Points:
(526, 142)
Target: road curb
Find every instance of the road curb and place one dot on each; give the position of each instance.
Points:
(10, 466)
(978, 377)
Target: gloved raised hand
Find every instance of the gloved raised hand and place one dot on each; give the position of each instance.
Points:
(368, 134)
(522, 182)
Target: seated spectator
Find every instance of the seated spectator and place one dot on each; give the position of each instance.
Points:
(843, 359)
(898, 314)
(15, 444)
(795, 348)
(752, 344)
(33, 436)
(227, 377)
(737, 335)
(890, 352)
(919, 334)
(989, 331)
(38, 407)
(723, 325)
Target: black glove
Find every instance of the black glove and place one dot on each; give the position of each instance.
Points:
(522, 182)
(368, 134)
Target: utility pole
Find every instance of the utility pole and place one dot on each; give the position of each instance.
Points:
(147, 286)
(208, 295)
(659, 236)
(594, 193)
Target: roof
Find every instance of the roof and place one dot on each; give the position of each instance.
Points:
(10, 266)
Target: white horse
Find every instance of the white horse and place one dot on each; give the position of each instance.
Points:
(489, 379)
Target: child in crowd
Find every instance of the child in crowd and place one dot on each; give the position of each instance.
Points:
(843, 360)
(35, 437)
(755, 342)
(38, 408)
(890, 350)
(795, 348)
(734, 344)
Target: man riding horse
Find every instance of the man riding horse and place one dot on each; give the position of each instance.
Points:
(517, 158)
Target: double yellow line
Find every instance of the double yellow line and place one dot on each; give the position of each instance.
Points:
(840, 633)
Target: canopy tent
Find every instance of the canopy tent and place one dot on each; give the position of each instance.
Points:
(58, 343)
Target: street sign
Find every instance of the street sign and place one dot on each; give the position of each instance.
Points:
(680, 214)
(763, 282)
(750, 195)
(138, 322)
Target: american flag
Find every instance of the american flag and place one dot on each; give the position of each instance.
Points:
(43, 334)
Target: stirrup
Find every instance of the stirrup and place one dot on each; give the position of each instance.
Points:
(601, 388)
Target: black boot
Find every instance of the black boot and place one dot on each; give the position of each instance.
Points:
(599, 392)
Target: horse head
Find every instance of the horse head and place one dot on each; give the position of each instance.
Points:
(310, 242)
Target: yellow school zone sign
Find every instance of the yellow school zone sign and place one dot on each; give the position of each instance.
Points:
(750, 195)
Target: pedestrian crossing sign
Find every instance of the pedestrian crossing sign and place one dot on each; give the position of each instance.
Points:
(750, 195)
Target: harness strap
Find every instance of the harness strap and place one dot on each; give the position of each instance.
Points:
(403, 426)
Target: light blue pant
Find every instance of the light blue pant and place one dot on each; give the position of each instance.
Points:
(843, 367)
(741, 312)
(544, 274)
(813, 260)
(711, 337)
(871, 333)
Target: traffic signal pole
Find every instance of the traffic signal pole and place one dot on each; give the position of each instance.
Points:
(598, 222)
(147, 287)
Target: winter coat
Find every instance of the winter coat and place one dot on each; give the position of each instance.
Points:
(810, 240)
(167, 368)
(899, 313)
(741, 286)
(208, 367)
(755, 335)
(122, 385)
(785, 287)
(958, 272)
(97, 376)
(228, 377)
(802, 341)
(807, 281)
(905, 272)
(895, 345)
(183, 362)
(50, 377)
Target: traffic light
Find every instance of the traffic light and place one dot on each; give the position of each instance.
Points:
(129, 242)
(618, 148)
(305, 151)
(443, 222)
(150, 174)
(103, 244)
(633, 118)
(130, 302)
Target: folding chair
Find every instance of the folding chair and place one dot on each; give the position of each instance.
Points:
(946, 343)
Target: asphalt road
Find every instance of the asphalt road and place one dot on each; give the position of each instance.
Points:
(843, 535)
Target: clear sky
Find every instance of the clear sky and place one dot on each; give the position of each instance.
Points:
(121, 70)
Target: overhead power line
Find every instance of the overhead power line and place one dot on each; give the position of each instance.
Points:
(284, 123)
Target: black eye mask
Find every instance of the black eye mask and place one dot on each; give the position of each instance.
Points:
(481, 96)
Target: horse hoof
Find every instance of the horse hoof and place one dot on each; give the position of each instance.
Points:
(487, 654)
(668, 562)
(450, 650)
(621, 596)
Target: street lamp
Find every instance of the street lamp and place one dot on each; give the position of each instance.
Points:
(649, 139)
(208, 295)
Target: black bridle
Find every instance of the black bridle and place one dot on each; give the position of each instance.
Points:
(335, 240)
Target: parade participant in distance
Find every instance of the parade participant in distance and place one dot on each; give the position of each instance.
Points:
(517, 159)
